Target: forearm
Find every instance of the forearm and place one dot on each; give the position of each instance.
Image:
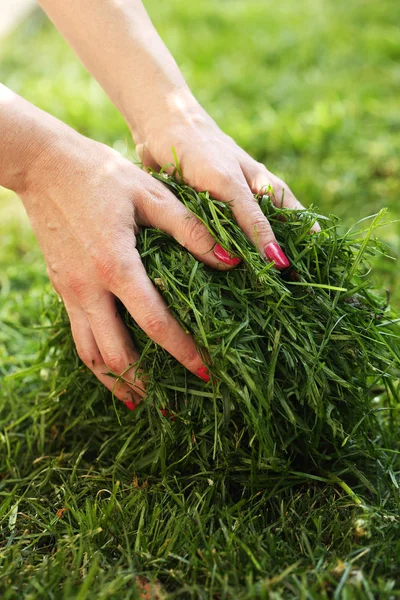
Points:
(30, 140)
(117, 42)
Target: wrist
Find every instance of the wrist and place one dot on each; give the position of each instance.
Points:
(30, 143)
(173, 108)
(35, 167)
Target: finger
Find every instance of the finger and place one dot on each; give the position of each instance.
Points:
(164, 211)
(90, 355)
(145, 304)
(259, 179)
(283, 196)
(114, 342)
(146, 158)
(231, 186)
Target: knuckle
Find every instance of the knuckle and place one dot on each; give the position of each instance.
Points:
(106, 266)
(223, 175)
(113, 267)
(280, 187)
(262, 168)
(221, 179)
(195, 231)
(77, 285)
(86, 357)
(116, 361)
(262, 227)
(156, 326)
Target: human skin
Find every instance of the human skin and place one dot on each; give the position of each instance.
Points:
(86, 202)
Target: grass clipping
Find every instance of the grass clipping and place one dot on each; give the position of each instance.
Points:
(302, 363)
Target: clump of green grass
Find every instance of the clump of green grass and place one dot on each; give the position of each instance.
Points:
(296, 358)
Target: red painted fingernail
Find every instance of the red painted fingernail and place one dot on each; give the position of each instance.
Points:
(203, 373)
(276, 255)
(225, 257)
(165, 412)
(129, 404)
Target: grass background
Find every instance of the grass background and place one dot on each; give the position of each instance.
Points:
(309, 88)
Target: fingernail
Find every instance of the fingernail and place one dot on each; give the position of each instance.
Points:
(129, 404)
(165, 412)
(225, 257)
(276, 255)
(203, 373)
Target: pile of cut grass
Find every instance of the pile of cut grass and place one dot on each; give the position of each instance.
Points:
(278, 478)
(296, 359)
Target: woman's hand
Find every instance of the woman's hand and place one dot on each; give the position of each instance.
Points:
(85, 203)
(211, 160)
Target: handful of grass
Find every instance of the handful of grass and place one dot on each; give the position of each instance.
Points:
(301, 362)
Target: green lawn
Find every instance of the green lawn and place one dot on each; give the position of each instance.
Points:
(311, 89)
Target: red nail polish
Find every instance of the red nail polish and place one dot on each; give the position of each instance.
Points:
(165, 412)
(129, 404)
(276, 255)
(225, 257)
(203, 373)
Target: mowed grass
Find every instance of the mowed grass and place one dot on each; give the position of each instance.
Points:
(311, 89)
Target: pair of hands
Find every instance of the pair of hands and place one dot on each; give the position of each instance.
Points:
(86, 203)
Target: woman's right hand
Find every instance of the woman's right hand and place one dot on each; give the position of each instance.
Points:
(86, 203)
